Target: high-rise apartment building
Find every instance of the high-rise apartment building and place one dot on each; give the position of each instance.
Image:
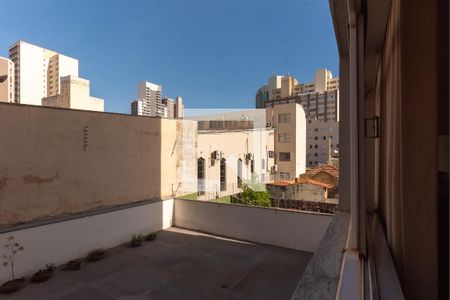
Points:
(38, 72)
(6, 80)
(322, 141)
(169, 106)
(320, 99)
(150, 103)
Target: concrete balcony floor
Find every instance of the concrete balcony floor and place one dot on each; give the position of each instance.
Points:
(180, 264)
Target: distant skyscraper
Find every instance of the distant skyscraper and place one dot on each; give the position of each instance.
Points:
(319, 99)
(149, 102)
(6, 80)
(179, 108)
(169, 104)
(38, 72)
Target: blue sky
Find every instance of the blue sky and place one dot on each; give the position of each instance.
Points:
(213, 53)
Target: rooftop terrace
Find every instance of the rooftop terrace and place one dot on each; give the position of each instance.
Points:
(180, 264)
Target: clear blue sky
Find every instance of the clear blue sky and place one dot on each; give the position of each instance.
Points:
(214, 53)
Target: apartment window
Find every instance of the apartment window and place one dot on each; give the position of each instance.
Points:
(324, 138)
(252, 166)
(285, 156)
(284, 138)
(316, 146)
(201, 176)
(316, 129)
(315, 154)
(285, 175)
(239, 173)
(284, 118)
(316, 138)
(223, 174)
(310, 146)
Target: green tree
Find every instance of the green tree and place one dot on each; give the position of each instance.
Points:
(254, 193)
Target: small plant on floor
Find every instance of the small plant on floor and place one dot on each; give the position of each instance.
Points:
(151, 236)
(44, 274)
(96, 254)
(136, 240)
(9, 259)
(73, 265)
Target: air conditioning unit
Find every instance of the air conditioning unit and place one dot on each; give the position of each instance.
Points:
(249, 156)
(274, 169)
(268, 124)
(216, 155)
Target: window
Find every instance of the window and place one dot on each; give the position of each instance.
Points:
(223, 174)
(284, 118)
(316, 138)
(284, 138)
(310, 146)
(324, 138)
(285, 156)
(285, 175)
(200, 176)
(239, 173)
(252, 166)
(315, 146)
(315, 154)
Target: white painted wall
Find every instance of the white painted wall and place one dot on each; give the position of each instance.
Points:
(63, 241)
(289, 229)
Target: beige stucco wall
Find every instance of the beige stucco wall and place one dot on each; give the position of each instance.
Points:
(74, 94)
(45, 170)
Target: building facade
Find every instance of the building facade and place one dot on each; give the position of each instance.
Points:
(75, 94)
(322, 141)
(38, 72)
(320, 99)
(226, 159)
(289, 123)
(6, 80)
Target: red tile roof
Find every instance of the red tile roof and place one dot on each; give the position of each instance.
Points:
(333, 171)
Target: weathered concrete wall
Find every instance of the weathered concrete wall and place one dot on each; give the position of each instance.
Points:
(289, 229)
(45, 170)
(178, 157)
(63, 241)
(305, 191)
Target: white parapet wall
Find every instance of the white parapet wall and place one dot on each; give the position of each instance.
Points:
(284, 228)
(65, 240)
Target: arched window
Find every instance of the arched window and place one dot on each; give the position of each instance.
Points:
(223, 174)
(201, 176)
(239, 173)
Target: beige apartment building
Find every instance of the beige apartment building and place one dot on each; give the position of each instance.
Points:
(289, 123)
(6, 80)
(279, 87)
(74, 94)
(38, 72)
(322, 141)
